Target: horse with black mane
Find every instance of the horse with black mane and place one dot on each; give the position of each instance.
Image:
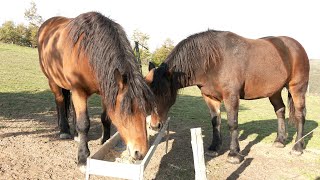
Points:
(227, 67)
(91, 54)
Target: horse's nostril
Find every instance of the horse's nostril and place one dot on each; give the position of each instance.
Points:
(156, 127)
(137, 155)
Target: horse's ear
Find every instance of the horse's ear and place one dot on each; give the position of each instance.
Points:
(151, 66)
(119, 79)
(149, 76)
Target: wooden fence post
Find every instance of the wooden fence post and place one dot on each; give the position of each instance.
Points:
(198, 154)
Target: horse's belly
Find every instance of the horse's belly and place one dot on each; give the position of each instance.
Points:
(66, 75)
(54, 72)
(261, 89)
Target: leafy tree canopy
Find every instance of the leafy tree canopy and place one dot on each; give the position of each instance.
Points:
(160, 54)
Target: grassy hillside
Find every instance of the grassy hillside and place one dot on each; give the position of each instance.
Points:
(24, 91)
(314, 82)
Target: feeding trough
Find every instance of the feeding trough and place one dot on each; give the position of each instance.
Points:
(97, 165)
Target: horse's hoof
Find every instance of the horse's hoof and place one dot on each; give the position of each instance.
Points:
(65, 136)
(234, 159)
(102, 142)
(211, 153)
(278, 145)
(76, 139)
(83, 168)
(296, 153)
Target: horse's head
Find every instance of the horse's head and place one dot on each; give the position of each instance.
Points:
(132, 125)
(162, 84)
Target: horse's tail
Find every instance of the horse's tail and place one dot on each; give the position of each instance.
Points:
(67, 101)
(292, 118)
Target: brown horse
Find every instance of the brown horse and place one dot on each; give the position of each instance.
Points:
(91, 54)
(227, 67)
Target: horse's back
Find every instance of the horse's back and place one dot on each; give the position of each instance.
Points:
(60, 61)
(262, 67)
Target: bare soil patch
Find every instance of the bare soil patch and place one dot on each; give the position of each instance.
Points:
(31, 149)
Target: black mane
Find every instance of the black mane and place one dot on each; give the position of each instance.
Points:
(196, 52)
(106, 45)
(192, 54)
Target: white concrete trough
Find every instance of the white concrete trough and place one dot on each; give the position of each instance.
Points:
(97, 165)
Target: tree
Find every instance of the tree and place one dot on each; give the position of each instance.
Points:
(32, 16)
(142, 38)
(160, 54)
(8, 33)
(24, 35)
(33, 30)
(21, 34)
(35, 20)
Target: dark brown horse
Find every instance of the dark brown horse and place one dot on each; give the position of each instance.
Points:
(227, 67)
(91, 54)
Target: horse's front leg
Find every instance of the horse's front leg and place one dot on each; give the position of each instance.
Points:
(232, 106)
(106, 124)
(83, 124)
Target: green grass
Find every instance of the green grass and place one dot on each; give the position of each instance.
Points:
(257, 120)
(20, 70)
(314, 82)
(24, 91)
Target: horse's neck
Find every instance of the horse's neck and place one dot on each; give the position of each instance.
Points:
(185, 76)
(185, 81)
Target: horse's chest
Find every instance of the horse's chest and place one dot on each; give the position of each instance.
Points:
(211, 91)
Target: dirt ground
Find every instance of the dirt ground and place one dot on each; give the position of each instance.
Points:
(30, 148)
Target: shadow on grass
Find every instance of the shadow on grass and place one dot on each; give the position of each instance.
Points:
(23, 105)
(191, 112)
(264, 128)
(40, 106)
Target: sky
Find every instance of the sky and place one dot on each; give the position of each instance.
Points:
(178, 19)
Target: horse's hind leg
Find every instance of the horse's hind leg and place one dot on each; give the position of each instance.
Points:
(79, 99)
(298, 112)
(106, 123)
(62, 97)
(214, 107)
(279, 109)
(74, 120)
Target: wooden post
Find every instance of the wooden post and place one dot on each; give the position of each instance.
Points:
(198, 154)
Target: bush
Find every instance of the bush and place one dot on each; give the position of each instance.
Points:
(20, 35)
(160, 54)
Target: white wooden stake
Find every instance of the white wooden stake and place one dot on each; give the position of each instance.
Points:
(198, 154)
